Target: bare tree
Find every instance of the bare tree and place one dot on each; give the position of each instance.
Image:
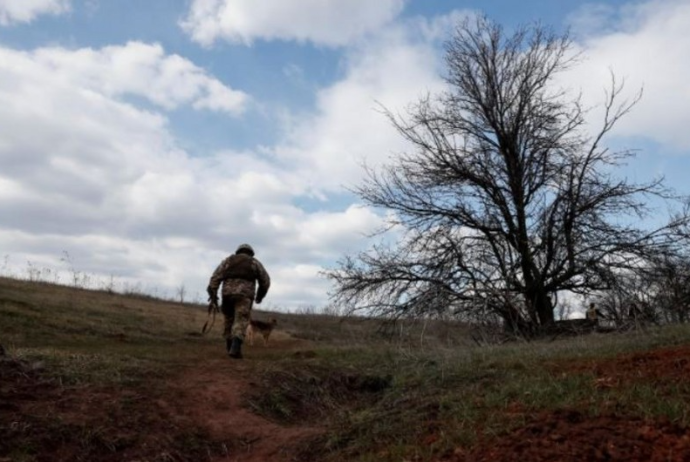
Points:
(181, 292)
(657, 291)
(671, 277)
(506, 199)
(662, 292)
(631, 298)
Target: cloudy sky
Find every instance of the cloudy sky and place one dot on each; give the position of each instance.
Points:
(145, 140)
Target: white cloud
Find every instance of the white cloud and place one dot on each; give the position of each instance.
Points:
(87, 172)
(24, 11)
(298, 286)
(136, 69)
(317, 236)
(93, 173)
(647, 45)
(390, 71)
(90, 170)
(323, 22)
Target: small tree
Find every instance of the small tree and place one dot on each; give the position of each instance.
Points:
(506, 199)
(671, 276)
(181, 292)
(657, 290)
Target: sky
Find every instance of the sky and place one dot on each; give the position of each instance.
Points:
(142, 141)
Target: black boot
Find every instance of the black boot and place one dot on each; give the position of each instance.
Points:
(228, 345)
(236, 348)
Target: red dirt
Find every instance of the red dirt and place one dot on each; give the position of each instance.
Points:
(206, 401)
(211, 394)
(196, 416)
(664, 365)
(570, 436)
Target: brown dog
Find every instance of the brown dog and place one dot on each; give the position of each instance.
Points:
(262, 327)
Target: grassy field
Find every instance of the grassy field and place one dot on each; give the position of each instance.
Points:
(412, 392)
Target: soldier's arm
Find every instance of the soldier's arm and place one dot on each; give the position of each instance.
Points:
(263, 279)
(216, 279)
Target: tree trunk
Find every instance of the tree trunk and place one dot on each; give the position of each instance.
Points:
(541, 306)
(545, 310)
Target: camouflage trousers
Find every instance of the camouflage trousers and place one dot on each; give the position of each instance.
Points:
(236, 311)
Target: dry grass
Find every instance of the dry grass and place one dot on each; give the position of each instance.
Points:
(440, 398)
(411, 391)
(346, 331)
(88, 335)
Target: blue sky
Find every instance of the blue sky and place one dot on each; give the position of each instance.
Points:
(147, 139)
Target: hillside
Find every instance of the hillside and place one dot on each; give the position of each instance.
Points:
(98, 376)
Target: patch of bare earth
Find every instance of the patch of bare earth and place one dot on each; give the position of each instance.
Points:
(43, 420)
(197, 415)
(212, 395)
(570, 435)
(663, 366)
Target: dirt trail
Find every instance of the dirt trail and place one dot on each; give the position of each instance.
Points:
(198, 414)
(211, 393)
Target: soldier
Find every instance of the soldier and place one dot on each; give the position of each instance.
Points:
(592, 313)
(239, 274)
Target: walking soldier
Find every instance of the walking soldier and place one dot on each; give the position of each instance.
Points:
(239, 274)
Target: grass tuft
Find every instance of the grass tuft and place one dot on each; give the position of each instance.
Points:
(414, 392)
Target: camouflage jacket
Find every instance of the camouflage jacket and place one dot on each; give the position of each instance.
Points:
(239, 274)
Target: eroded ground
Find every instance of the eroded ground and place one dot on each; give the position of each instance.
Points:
(197, 415)
(201, 414)
(572, 435)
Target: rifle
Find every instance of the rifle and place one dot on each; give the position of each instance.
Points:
(212, 310)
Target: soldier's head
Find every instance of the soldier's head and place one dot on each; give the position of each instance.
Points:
(245, 249)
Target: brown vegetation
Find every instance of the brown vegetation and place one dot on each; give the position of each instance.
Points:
(96, 376)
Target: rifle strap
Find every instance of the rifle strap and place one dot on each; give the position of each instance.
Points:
(212, 309)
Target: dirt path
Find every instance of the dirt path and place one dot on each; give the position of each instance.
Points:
(198, 414)
(211, 394)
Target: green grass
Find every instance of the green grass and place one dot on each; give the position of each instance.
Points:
(380, 397)
(88, 336)
(454, 396)
(115, 352)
